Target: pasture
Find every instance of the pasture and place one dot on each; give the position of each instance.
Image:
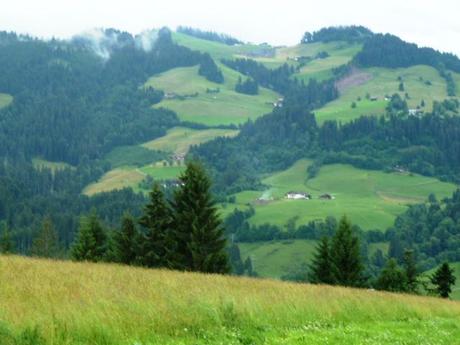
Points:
(371, 199)
(5, 100)
(48, 302)
(219, 108)
(179, 139)
(420, 83)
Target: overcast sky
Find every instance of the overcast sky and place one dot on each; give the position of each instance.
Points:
(426, 22)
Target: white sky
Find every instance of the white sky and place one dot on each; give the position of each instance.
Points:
(426, 22)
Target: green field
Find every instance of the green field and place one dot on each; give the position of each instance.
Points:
(160, 172)
(371, 199)
(5, 100)
(115, 179)
(61, 303)
(223, 108)
(381, 82)
(39, 163)
(179, 139)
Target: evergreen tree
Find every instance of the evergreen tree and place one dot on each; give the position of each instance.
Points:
(235, 259)
(321, 267)
(46, 244)
(347, 267)
(410, 270)
(158, 246)
(248, 268)
(91, 241)
(392, 277)
(6, 241)
(125, 241)
(444, 279)
(198, 228)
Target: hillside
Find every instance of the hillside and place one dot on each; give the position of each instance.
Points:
(52, 302)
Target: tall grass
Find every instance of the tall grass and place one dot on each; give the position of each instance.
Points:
(53, 302)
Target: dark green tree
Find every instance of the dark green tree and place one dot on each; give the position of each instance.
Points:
(158, 245)
(392, 277)
(197, 225)
(235, 259)
(321, 266)
(6, 241)
(347, 267)
(410, 270)
(444, 279)
(126, 241)
(91, 241)
(401, 86)
(248, 268)
(46, 244)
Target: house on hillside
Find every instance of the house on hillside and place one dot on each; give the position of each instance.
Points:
(415, 112)
(326, 197)
(297, 196)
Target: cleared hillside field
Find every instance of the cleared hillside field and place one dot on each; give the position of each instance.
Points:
(115, 179)
(222, 108)
(52, 302)
(179, 139)
(371, 199)
(5, 100)
(420, 82)
(274, 259)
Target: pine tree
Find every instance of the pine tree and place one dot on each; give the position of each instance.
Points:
(91, 241)
(158, 246)
(198, 228)
(347, 267)
(392, 277)
(126, 241)
(321, 267)
(6, 241)
(46, 244)
(248, 268)
(410, 270)
(235, 259)
(444, 279)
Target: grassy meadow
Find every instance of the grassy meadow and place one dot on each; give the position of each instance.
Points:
(5, 99)
(371, 199)
(179, 139)
(40, 163)
(115, 179)
(222, 108)
(45, 302)
(381, 82)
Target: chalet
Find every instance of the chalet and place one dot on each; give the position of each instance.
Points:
(298, 195)
(326, 197)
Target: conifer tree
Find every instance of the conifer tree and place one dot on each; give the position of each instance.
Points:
(198, 228)
(392, 277)
(410, 270)
(248, 268)
(6, 241)
(444, 279)
(46, 244)
(321, 267)
(126, 241)
(91, 241)
(158, 246)
(235, 259)
(347, 267)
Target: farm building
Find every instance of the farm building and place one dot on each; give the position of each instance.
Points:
(298, 195)
(415, 112)
(326, 197)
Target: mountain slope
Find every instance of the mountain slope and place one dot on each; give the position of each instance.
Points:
(53, 302)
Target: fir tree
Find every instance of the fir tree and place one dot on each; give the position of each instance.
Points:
(248, 268)
(235, 259)
(198, 228)
(347, 267)
(158, 246)
(410, 270)
(91, 241)
(46, 244)
(125, 241)
(444, 279)
(392, 277)
(321, 267)
(6, 241)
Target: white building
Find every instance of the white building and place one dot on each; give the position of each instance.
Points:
(298, 195)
